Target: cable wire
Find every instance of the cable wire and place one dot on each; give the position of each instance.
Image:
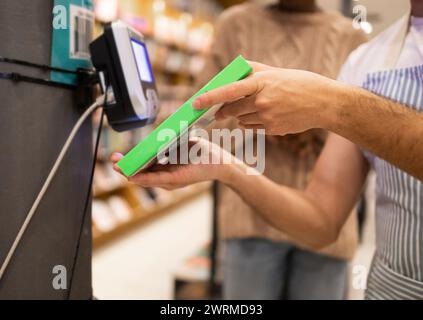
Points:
(14, 76)
(86, 76)
(44, 67)
(88, 196)
(47, 182)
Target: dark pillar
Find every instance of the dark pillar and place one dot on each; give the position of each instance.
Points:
(34, 123)
(346, 8)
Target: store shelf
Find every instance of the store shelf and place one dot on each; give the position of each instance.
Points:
(108, 192)
(142, 215)
(173, 46)
(177, 44)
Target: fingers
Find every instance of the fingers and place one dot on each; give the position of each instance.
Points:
(250, 119)
(117, 169)
(257, 66)
(158, 176)
(115, 157)
(228, 93)
(234, 91)
(236, 108)
(252, 126)
(151, 179)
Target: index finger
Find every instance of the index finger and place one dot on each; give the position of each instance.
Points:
(153, 178)
(115, 157)
(227, 93)
(257, 66)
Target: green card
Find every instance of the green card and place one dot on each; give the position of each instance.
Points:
(148, 149)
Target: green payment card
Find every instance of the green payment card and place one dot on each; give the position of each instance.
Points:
(145, 152)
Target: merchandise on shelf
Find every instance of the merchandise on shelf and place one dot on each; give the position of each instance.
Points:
(178, 35)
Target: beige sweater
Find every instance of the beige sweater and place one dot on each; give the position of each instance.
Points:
(318, 42)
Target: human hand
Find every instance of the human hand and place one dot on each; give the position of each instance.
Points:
(281, 101)
(173, 176)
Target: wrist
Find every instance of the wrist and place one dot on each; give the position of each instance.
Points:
(232, 174)
(336, 103)
(224, 173)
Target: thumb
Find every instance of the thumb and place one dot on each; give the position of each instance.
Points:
(257, 66)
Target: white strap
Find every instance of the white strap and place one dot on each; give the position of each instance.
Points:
(395, 47)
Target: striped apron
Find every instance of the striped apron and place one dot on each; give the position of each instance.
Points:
(397, 267)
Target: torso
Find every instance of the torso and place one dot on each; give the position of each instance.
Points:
(397, 269)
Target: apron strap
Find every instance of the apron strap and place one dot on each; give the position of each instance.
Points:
(395, 47)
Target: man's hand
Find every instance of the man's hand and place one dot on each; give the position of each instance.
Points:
(281, 101)
(286, 101)
(173, 176)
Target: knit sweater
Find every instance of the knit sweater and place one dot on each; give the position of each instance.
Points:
(318, 42)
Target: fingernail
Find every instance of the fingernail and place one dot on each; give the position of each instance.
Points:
(116, 156)
(196, 104)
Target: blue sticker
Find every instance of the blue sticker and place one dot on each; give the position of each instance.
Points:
(73, 26)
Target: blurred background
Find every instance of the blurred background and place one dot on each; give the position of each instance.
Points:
(156, 244)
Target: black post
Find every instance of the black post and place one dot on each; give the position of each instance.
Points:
(34, 122)
(347, 8)
(214, 241)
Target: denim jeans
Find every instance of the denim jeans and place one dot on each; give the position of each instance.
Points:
(255, 268)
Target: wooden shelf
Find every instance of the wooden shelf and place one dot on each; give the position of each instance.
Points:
(109, 192)
(142, 216)
(180, 74)
(174, 46)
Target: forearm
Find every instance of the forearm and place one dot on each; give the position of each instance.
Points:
(385, 128)
(293, 212)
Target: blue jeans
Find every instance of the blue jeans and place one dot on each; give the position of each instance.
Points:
(255, 268)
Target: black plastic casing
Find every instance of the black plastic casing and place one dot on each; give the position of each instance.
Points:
(105, 58)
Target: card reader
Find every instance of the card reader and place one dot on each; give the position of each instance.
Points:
(121, 59)
(146, 152)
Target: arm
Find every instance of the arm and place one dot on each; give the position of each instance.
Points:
(387, 129)
(289, 101)
(313, 217)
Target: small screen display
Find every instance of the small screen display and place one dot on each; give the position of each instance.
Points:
(143, 64)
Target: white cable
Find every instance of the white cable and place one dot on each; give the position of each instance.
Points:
(46, 184)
